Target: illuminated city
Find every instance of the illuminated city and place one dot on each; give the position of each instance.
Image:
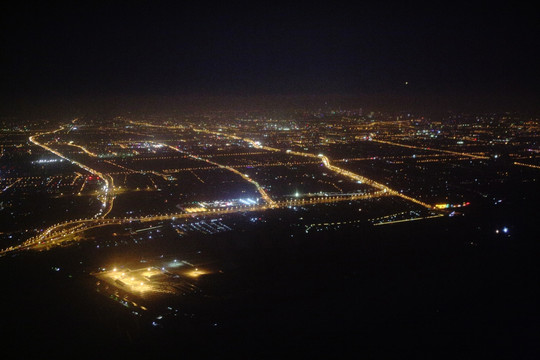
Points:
(238, 196)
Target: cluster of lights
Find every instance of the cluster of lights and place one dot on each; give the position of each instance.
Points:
(447, 206)
(47, 161)
(106, 198)
(503, 230)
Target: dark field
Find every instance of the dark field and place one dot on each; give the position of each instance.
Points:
(441, 288)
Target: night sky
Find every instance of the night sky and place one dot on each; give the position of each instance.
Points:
(152, 49)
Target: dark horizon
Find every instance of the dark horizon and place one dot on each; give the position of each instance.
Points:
(453, 57)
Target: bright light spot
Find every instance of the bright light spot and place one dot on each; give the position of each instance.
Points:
(505, 230)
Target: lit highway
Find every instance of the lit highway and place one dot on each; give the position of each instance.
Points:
(85, 150)
(474, 156)
(343, 172)
(260, 189)
(370, 182)
(10, 185)
(107, 196)
(323, 158)
(63, 232)
(469, 155)
(527, 165)
(336, 169)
